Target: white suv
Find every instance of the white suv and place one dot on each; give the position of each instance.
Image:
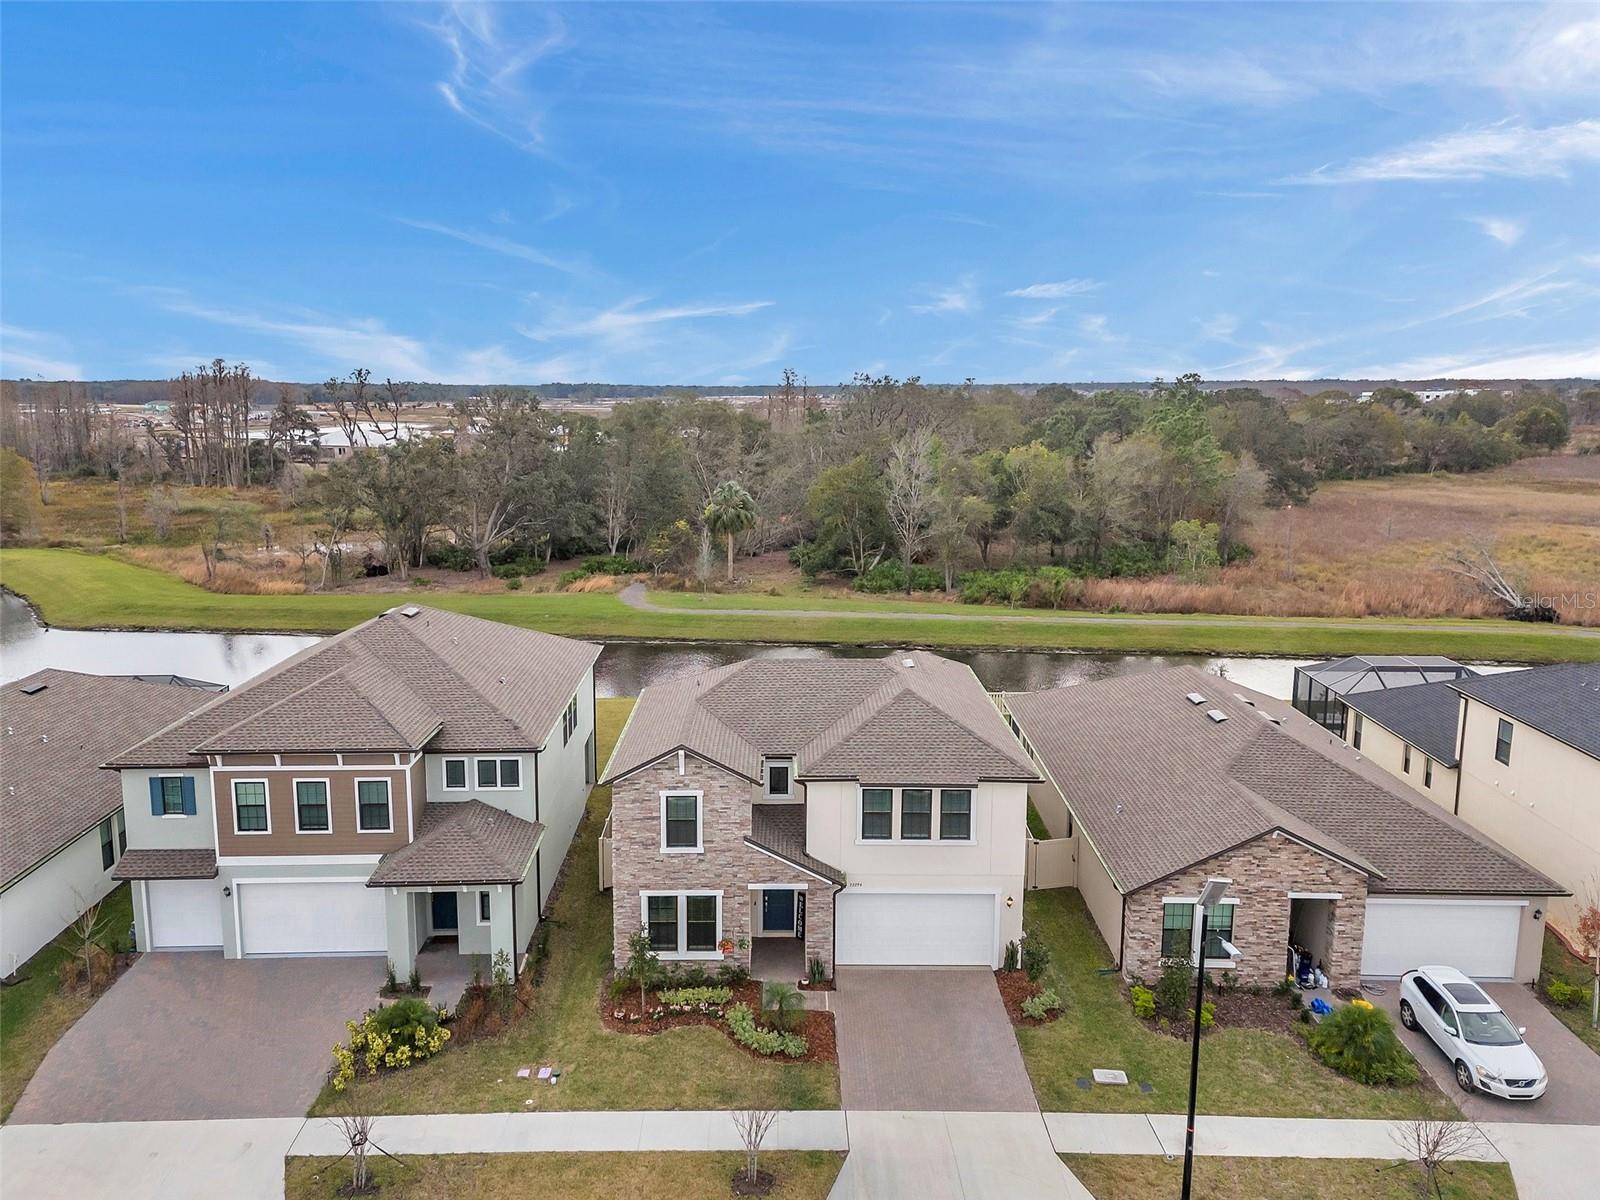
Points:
(1486, 1048)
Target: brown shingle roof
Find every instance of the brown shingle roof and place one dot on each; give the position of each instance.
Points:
(53, 745)
(1158, 786)
(780, 829)
(461, 842)
(167, 864)
(911, 717)
(482, 685)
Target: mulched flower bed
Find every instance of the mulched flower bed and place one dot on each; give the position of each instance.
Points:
(1015, 987)
(762, 1186)
(1236, 1008)
(825, 986)
(816, 1027)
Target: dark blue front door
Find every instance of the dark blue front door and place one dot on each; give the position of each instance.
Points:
(444, 912)
(777, 910)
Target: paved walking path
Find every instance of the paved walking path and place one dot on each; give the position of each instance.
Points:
(637, 596)
(930, 1156)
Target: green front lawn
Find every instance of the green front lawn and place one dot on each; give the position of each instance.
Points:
(87, 591)
(683, 1068)
(34, 1013)
(1559, 964)
(1243, 1072)
(1146, 1177)
(802, 1175)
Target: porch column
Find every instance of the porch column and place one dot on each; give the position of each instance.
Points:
(502, 926)
(400, 917)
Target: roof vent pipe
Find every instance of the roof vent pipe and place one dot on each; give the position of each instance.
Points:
(1217, 715)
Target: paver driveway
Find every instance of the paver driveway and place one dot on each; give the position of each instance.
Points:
(927, 1039)
(189, 1036)
(1574, 1094)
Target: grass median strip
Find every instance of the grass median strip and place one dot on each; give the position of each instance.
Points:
(85, 591)
(682, 1175)
(1125, 1176)
(691, 1068)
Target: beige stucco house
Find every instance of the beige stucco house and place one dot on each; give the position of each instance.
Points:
(1163, 779)
(775, 812)
(414, 780)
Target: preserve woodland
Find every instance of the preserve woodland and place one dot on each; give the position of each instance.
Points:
(1172, 498)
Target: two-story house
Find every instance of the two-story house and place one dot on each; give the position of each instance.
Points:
(855, 812)
(417, 777)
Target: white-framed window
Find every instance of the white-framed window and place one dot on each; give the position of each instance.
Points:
(374, 806)
(251, 813)
(498, 774)
(171, 787)
(777, 776)
(685, 924)
(485, 907)
(681, 827)
(455, 774)
(1427, 772)
(1180, 931)
(108, 844)
(569, 720)
(312, 813)
(916, 816)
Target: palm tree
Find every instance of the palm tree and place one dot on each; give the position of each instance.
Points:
(730, 511)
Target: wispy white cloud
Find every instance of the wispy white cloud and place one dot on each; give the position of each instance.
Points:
(959, 297)
(1097, 326)
(1505, 230)
(623, 321)
(1219, 327)
(497, 244)
(485, 84)
(1060, 290)
(1552, 361)
(1556, 57)
(35, 354)
(1505, 150)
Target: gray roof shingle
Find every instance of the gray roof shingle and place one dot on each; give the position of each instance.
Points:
(436, 679)
(1424, 715)
(1561, 700)
(461, 842)
(55, 741)
(911, 717)
(1158, 786)
(780, 829)
(167, 864)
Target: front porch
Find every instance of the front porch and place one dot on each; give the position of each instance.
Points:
(780, 959)
(446, 970)
(445, 934)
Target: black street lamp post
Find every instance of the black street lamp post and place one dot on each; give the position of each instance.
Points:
(1211, 894)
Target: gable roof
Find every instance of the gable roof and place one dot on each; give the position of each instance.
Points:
(461, 842)
(1158, 786)
(56, 736)
(1424, 715)
(909, 718)
(1562, 701)
(409, 678)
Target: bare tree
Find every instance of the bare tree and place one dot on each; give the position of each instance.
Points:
(357, 1132)
(1433, 1145)
(160, 509)
(1475, 564)
(84, 935)
(911, 494)
(753, 1125)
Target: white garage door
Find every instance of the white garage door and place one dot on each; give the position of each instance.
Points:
(1479, 938)
(185, 914)
(344, 917)
(921, 929)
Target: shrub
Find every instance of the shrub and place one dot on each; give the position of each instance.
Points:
(448, 556)
(568, 578)
(1009, 963)
(1563, 994)
(393, 1036)
(742, 1023)
(816, 971)
(619, 987)
(1361, 1043)
(1208, 1014)
(890, 576)
(1041, 1006)
(783, 1001)
(1035, 958)
(995, 587)
(695, 997)
(514, 584)
(614, 564)
(1144, 1002)
(1172, 990)
(731, 974)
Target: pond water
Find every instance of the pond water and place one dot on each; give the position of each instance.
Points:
(624, 669)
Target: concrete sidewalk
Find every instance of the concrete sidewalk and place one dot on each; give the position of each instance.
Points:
(953, 1156)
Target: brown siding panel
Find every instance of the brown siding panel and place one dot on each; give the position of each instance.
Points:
(280, 806)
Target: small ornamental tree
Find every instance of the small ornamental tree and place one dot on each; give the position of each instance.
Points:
(641, 966)
(753, 1125)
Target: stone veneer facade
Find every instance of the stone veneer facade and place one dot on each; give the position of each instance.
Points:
(726, 863)
(1264, 871)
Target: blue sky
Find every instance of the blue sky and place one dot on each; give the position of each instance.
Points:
(707, 194)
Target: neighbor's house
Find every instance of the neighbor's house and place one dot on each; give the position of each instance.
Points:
(1411, 733)
(1322, 689)
(855, 812)
(1529, 748)
(1169, 777)
(418, 776)
(61, 820)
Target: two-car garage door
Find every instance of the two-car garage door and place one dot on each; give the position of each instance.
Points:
(1478, 937)
(310, 917)
(915, 929)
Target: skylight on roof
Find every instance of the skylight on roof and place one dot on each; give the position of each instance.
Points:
(33, 689)
(410, 610)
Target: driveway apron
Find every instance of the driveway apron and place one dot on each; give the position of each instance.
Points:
(1573, 1097)
(927, 1040)
(187, 1036)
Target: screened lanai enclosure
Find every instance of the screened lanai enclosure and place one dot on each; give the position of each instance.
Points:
(1318, 688)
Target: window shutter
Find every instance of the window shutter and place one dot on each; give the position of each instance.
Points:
(155, 796)
(188, 796)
